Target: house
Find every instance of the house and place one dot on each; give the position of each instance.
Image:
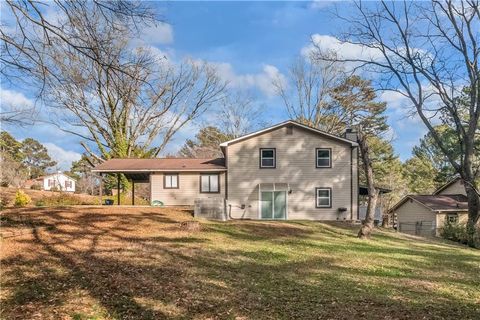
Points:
(426, 214)
(286, 171)
(58, 182)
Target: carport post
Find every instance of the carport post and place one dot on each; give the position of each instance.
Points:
(133, 192)
(101, 189)
(118, 188)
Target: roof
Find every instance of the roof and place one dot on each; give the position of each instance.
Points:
(54, 174)
(437, 203)
(161, 164)
(285, 123)
(446, 185)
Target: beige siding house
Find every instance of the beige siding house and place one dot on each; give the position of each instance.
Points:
(426, 214)
(287, 171)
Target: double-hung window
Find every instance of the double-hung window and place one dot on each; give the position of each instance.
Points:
(209, 183)
(170, 181)
(267, 158)
(452, 218)
(323, 157)
(323, 197)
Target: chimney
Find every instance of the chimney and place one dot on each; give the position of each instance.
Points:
(351, 134)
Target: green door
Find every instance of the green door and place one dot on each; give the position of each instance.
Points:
(266, 202)
(280, 205)
(273, 204)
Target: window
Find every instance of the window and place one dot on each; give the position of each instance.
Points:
(51, 182)
(68, 184)
(209, 183)
(267, 158)
(452, 218)
(170, 181)
(323, 158)
(324, 197)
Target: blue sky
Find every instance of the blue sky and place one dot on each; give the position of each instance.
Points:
(250, 41)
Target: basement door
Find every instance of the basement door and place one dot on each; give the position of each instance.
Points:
(273, 204)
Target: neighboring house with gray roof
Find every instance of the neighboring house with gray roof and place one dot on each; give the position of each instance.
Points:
(286, 171)
(426, 214)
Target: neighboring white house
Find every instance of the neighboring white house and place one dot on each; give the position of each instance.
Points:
(58, 181)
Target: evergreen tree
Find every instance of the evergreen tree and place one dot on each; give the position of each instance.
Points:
(206, 144)
(36, 158)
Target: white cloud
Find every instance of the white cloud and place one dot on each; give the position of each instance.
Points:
(10, 98)
(321, 4)
(63, 157)
(162, 33)
(262, 80)
(343, 49)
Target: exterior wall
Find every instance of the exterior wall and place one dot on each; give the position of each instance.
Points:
(295, 166)
(59, 180)
(455, 188)
(188, 191)
(412, 212)
(462, 218)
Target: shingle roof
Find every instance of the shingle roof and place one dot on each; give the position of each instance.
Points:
(161, 164)
(444, 202)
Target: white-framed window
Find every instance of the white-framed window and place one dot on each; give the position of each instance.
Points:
(170, 181)
(323, 197)
(452, 218)
(68, 184)
(51, 183)
(209, 183)
(323, 158)
(267, 158)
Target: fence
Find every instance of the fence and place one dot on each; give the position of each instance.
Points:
(419, 228)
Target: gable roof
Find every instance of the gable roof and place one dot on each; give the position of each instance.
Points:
(160, 164)
(285, 123)
(446, 185)
(437, 203)
(54, 174)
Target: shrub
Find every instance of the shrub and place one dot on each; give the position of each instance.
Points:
(36, 186)
(458, 232)
(21, 199)
(40, 203)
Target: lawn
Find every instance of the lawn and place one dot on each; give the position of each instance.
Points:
(138, 263)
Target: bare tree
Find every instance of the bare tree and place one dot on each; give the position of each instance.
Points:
(239, 114)
(29, 29)
(306, 94)
(124, 114)
(427, 52)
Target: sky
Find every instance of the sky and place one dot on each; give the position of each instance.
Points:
(251, 43)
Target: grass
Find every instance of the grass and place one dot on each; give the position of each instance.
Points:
(137, 263)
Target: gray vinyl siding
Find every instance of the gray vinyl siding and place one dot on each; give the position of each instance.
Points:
(295, 165)
(188, 191)
(411, 212)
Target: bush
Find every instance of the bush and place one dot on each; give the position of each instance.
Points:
(36, 186)
(458, 232)
(21, 199)
(40, 203)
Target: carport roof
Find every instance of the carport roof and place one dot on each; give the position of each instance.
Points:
(160, 164)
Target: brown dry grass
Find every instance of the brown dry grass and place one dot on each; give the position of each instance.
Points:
(138, 263)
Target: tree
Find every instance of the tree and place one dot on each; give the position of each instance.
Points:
(10, 146)
(425, 52)
(35, 30)
(357, 99)
(36, 158)
(206, 144)
(420, 175)
(239, 114)
(87, 182)
(307, 93)
(122, 115)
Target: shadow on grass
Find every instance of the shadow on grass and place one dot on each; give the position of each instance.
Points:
(267, 270)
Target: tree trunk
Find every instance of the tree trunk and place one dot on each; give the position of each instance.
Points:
(473, 212)
(373, 193)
